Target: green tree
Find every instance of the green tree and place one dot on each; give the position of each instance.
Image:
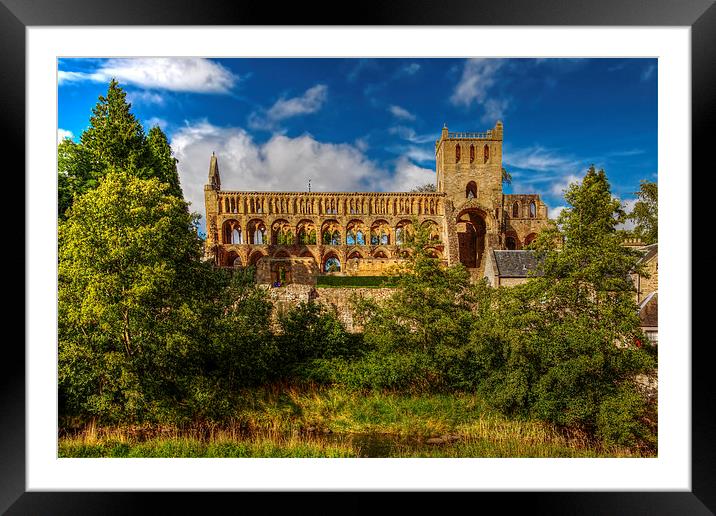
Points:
(645, 213)
(431, 305)
(506, 176)
(564, 347)
(163, 164)
(75, 174)
(114, 140)
(131, 294)
(427, 187)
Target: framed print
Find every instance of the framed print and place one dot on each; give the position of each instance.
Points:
(47, 42)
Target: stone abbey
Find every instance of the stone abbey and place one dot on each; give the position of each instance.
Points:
(292, 237)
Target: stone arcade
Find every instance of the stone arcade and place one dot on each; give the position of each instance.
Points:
(292, 237)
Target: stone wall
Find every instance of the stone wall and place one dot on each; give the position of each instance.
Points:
(335, 299)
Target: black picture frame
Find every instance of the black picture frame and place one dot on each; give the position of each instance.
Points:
(699, 15)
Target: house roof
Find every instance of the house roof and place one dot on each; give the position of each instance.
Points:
(649, 251)
(515, 264)
(649, 310)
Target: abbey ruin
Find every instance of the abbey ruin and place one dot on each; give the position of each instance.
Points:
(292, 237)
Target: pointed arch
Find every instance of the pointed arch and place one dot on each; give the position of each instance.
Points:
(471, 190)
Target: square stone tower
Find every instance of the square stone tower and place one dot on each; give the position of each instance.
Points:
(470, 162)
(468, 167)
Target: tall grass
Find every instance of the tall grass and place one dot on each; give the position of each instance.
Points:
(288, 420)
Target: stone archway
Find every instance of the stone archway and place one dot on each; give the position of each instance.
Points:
(471, 230)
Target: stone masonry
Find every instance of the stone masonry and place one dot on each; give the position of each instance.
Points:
(291, 237)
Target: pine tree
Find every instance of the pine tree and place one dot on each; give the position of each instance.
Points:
(115, 140)
(164, 164)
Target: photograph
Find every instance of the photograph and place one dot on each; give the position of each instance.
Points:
(384, 257)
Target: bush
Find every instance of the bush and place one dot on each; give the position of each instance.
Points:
(311, 331)
(620, 420)
(410, 372)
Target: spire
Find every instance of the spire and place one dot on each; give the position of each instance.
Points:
(214, 177)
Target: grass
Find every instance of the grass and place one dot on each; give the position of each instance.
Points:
(311, 421)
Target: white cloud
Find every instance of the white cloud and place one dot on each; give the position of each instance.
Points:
(411, 69)
(627, 206)
(361, 144)
(185, 74)
(407, 176)
(282, 164)
(62, 134)
(561, 184)
(478, 75)
(310, 102)
(408, 133)
(151, 122)
(145, 97)
(554, 212)
(400, 112)
(494, 110)
(540, 158)
(419, 154)
(648, 72)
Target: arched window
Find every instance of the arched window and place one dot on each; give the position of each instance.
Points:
(350, 238)
(533, 210)
(511, 244)
(457, 153)
(399, 236)
(472, 153)
(515, 209)
(236, 236)
(486, 152)
(374, 238)
(360, 240)
(332, 264)
(471, 190)
(336, 238)
(384, 238)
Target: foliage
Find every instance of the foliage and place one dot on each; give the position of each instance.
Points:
(312, 331)
(427, 187)
(131, 294)
(430, 308)
(645, 213)
(114, 140)
(562, 347)
(506, 176)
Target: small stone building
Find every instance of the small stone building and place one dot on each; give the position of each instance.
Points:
(649, 315)
(650, 260)
(506, 268)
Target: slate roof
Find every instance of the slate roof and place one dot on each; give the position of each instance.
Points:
(649, 251)
(515, 264)
(649, 310)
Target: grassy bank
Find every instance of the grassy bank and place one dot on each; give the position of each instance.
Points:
(291, 421)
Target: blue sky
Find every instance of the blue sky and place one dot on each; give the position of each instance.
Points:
(371, 124)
